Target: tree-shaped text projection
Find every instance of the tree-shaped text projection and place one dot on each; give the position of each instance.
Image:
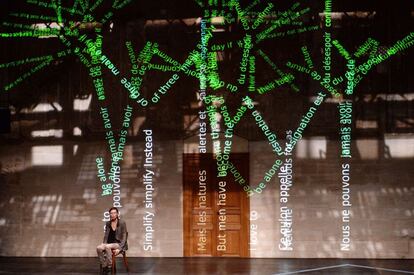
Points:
(235, 60)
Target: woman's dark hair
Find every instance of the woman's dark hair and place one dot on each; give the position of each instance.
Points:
(112, 208)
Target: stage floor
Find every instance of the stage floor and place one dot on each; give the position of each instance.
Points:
(23, 265)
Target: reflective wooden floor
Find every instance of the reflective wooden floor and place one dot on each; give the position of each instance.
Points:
(16, 265)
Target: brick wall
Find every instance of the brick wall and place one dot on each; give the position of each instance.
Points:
(56, 209)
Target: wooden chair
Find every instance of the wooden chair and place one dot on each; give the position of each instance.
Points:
(114, 261)
(123, 252)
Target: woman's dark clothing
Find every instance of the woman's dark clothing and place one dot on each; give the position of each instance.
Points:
(111, 236)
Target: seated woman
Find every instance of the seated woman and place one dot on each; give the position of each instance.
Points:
(114, 239)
